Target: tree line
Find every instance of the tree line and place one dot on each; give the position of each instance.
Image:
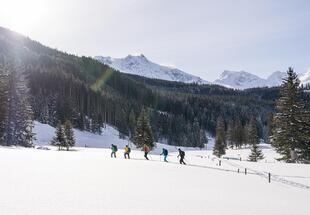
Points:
(288, 130)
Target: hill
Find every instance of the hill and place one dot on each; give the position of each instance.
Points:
(89, 93)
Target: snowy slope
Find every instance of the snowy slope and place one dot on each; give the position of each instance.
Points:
(243, 80)
(110, 135)
(275, 79)
(88, 181)
(305, 78)
(45, 133)
(140, 65)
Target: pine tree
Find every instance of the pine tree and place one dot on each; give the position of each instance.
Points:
(290, 135)
(270, 128)
(253, 140)
(239, 134)
(59, 139)
(203, 139)
(220, 139)
(17, 119)
(196, 134)
(69, 135)
(231, 137)
(3, 104)
(95, 125)
(131, 123)
(143, 132)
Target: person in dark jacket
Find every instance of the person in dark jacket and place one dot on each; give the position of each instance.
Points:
(165, 153)
(182, 156)
(114, 150)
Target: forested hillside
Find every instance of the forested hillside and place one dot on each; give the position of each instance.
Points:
(88, 93)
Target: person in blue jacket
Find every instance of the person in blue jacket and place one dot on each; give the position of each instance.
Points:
(165, 153)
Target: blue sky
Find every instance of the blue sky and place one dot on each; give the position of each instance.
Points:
(201, 37)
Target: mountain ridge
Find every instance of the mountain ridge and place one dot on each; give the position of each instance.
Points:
(142, 66)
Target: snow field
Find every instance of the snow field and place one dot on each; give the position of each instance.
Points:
(87, 181)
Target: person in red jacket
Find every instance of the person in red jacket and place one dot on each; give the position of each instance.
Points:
(146, 150)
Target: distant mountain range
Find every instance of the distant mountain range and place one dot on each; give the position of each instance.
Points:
(244, 80)
(140, 65)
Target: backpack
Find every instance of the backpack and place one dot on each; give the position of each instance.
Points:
(182, 153)
(129, 150)
(146, 148)
(115, 148)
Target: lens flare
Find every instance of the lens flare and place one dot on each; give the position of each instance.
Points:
(102, 79)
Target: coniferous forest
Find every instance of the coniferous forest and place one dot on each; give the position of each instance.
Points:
(53, 87)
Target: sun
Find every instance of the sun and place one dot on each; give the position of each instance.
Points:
(23, 15)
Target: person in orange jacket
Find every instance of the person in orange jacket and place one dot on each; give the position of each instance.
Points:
(146, 150)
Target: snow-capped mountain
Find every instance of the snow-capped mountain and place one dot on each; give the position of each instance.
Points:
(244, 80)
(305, 78)
(140, 65)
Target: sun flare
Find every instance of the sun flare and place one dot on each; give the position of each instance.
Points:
(24, 16)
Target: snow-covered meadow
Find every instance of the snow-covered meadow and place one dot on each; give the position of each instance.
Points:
(87, 181)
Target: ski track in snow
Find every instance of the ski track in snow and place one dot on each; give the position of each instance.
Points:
(274, 177)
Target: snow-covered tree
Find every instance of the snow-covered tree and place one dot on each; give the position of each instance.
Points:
(143, 132)
(220, 139)
(69, 135)
(59, 139)
(253, 138)
(3, 104)
(291, 128)
(17, 115)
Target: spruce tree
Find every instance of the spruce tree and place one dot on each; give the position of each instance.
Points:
(3, 104)
(203, 139)
(220, 139)
(143, 132)
(270, 129)
(253, 140)
(196, 134)
(17, 118)
(59, 139)
(231, 137)
(95, 125)
(131, 123)
(290, 135)
(69, 134)
(239, 133)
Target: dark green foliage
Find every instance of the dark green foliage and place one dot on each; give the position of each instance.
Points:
(3, 103)
(203, 139)
(253, 140)
(235, 134)
(16, 118)
(69, 135)
(60, 137)
(220, 138)
(131, 123)
(143, 132)
(90, 94)
(291, 127)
